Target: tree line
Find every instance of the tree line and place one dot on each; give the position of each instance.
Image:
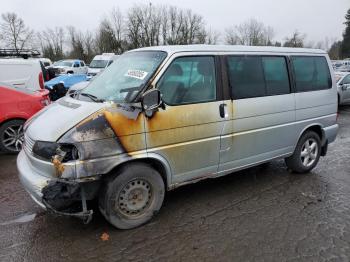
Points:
(150, 25)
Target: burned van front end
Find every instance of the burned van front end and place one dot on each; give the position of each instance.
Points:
(71, 146)
(62, 172)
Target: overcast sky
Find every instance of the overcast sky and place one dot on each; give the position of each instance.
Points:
(318, 19)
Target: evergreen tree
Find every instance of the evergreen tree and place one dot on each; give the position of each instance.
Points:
(345, 48)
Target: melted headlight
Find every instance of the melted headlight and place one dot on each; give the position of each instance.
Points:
(51, 150)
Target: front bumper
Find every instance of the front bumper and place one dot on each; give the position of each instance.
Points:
(31, 181)
(36, 185)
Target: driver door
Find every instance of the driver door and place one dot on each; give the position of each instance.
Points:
(187, 132)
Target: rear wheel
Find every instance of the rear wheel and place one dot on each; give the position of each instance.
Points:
(12, 136)
(133, 196)
(306, 154)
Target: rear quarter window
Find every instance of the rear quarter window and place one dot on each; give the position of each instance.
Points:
(311, 73)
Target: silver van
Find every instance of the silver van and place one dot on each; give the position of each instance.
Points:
(162, 117)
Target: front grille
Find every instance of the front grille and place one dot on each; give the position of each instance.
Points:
(28, 143)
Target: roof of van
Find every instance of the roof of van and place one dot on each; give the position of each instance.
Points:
(105, 56)
(17, 61)
(229, 48)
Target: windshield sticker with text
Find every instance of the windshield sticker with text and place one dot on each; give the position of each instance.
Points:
(139, 74)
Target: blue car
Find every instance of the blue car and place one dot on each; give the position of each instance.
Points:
(67, 80)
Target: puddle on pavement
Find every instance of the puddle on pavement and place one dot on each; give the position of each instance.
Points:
(22, 219)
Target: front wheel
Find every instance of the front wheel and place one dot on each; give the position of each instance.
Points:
(306, 154)
(133, 196)
(12, 136)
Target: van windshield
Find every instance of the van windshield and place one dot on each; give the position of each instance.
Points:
(98, 63)
(123, 79)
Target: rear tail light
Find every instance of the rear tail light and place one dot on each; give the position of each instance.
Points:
(45, 102)
(41, 80)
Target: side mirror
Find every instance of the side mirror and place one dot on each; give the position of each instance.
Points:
(151, 100)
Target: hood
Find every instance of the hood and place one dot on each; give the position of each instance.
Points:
(59, 117)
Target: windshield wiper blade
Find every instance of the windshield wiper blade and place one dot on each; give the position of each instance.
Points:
(93, 98)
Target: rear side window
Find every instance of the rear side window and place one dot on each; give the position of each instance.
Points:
(82, 63)
(276, 75)
(311, 73)
(256, 76)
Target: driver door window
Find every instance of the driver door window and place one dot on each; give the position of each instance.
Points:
(189, 80)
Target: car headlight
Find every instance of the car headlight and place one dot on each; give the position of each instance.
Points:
(51, 150)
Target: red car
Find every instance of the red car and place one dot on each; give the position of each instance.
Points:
(16, 106)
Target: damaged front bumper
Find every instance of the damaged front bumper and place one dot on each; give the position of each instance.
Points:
(56, 194)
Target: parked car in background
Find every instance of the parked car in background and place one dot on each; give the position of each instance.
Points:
(344, 68)
(100, 62)
(74, 89)
(166, 116)
(71, 66)
(343, 85)
(336, 64)
(67, 81)
(46, 61)
(17, 104)
(25, 73)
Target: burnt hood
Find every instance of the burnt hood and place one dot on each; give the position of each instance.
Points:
(59, 117)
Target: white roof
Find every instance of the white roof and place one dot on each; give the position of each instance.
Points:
(229, 48)
(17, 61)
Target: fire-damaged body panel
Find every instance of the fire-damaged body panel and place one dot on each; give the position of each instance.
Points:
(180, 132)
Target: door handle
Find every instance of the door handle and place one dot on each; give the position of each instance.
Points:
(223, 111)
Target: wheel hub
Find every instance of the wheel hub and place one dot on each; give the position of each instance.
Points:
(13, 137)
(134, 198)
(309, 152)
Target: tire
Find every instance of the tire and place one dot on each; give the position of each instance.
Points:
(11, 136)
(306, 154)
(132, 196)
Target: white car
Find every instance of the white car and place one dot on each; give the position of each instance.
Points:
(77, 87)
(46, 61)
(100, 62)
(343, 85)
(71, 66)
(24, 73)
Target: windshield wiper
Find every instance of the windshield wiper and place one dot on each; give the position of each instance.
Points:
(93, 98)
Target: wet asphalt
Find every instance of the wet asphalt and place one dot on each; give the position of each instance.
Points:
(260, 214)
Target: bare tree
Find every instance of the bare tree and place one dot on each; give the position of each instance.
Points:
(335, 50)
(296, 40)
(251, 32)
(52, 42)
(231, 36)
(144, 23)
(14, 32)
(172, 25)
(208, 36)
(82, 45)
(105, 38)
(183, 27)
